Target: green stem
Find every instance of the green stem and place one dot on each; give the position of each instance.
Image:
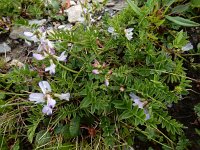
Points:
(10, 93)
(66, 68)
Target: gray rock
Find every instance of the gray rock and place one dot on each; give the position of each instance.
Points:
(120, 5)
(4, 48)
(74, 13)
(17, 32)
(38, 22)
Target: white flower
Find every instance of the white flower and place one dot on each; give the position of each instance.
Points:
(51, 68)
(129, 33)
(62, 57)
(47, 110)
(187, 47)
(45, 87)
(95, 71)
(107, 82)
(37, 97)
(136, 100)
(38, 56)
(63, 96)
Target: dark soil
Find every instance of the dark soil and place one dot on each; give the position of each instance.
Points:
(184, 110)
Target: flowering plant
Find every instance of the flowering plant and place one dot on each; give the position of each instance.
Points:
(105, 86)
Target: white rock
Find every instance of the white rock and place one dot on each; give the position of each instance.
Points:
(84, 1)
(17, 63)
(74, 13)
(38, 22)
(65, 27)
(120, 5)
(72, 3)
(98, 1)
(4, 48)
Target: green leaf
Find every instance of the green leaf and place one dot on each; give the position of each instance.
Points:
(195, 3)
(85, 102)
(135, 8)
(42, 138)
(119, 104)
(180, 8)
(31, 130)
(74, 126)
(182, 21)
(126, 114)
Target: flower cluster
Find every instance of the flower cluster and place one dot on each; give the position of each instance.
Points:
(45, 49)
(137, 102)
(98, 68)
(46, 97)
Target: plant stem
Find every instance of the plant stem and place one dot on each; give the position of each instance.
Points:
(66, 68)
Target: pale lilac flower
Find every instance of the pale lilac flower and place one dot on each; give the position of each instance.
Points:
(96, 64)
(47, 110)
(95, 71)
(51, 68)
(45, 96)
(45, 87)
(136, 100)
(107, 82)
(37, 97)
(111, 30)
(49, 43)
(187, 47)
(38, 56)
(129, 33)
(63, 96)
(31, 37)
(62, 57)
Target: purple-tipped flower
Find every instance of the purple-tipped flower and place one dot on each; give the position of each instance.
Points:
(50, 101)
(95, 71)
